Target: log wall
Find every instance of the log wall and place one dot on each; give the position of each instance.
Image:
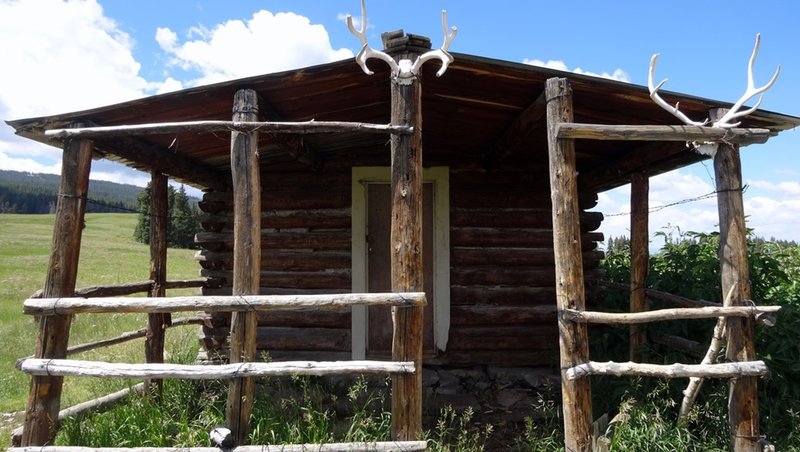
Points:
(502, 276)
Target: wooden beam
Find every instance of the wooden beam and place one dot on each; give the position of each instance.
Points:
(724, 370)
(64, 367)
(640, 255)
(407, 254)
(573, 337)
(518, 133)
(667, 314)
(743, 393)
(245, 174)
(649, 155)
(165, 161)
(218, 303)
(292, 144)
(44, 399)
(157, 323)
(244, 126)
(663, 133)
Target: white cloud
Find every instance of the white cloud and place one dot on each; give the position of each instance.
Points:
(11, 163)
(279, 41)
(617, 74)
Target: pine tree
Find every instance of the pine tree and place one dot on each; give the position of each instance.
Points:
(142, 231)
(182, 222)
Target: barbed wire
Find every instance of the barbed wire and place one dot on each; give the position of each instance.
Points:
(712, 194)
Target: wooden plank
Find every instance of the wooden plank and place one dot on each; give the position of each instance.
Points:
(724, 370)
(662, 133)
(675, 300)
(407, 267)
(734, 270)
(667, 314)
(44, 398)
(366, 446)
(157, 323)
(273, 240)
(246, 260)
(218, 303)
(517, 133)
(65, 367)
(640, 255)
(573, 337)
(242, 126)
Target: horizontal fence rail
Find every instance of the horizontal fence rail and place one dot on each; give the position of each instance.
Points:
(724, 370)
(407, 446)
(708, 312)
(218, 303)
(303, 127)
(66, 367)
(662, 133)
(117, 290)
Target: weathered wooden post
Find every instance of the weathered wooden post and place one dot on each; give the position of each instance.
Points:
(640, 254)
(573, 337)
(157, 323)
(743, 391)
(406, 257)
(246, 259)
(44, 399)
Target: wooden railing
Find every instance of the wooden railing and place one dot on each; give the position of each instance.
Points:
(249, 303)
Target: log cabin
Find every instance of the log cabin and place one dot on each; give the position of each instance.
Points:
(326, 205)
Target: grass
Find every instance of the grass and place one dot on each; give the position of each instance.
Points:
(108, 256)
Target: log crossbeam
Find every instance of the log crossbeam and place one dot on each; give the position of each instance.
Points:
(724, 370)
(615, 132)
(708, 312)
(218, 303)
(210, 126)
(65, 367)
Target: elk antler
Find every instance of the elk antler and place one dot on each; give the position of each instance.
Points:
(366, 51)
(661, 102)
(441, 53)
(733, 113)
(404, 71)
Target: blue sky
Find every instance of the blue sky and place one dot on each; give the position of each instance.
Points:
(64, 56)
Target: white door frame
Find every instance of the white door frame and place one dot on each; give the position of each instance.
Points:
(439, 176)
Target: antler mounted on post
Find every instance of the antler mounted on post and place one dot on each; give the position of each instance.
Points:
(405, 70)
(724, 122)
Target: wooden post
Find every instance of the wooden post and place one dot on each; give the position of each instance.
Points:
(640, 241)
(743, 391)
(157, 323)
(406, 257)
(44, 399)
(573, 337)
(246, 259)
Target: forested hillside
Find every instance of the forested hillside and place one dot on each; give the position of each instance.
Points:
(36, 193)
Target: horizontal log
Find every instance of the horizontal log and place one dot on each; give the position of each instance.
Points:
(338, 280)
(518, 217)
(330, 447)
(506, 358)
(169, 128)
(662, 133)
(502, 338)
(284, 219)
(500, 276)
(514, 237)
(724, 370)
(502, 296)
(118, 290)
(668, 314)
(61, 306)
(463, 256)
(288, 338)
(509, 199)
(675, 300)
(500, 315)
(681, 344)
(273, 240)
(129, 336)
(66, 367)
(303, 260)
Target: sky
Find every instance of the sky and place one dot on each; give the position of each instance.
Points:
(60, 56)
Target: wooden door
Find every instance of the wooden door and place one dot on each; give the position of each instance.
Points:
(379, 320)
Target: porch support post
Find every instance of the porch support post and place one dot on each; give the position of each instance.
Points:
(573, 337)
(44, 399)
(246, 259)
(743, 391)
(406, 257)
(640, 254)
(157, 323)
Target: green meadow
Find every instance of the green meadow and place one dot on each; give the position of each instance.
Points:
(108, 256)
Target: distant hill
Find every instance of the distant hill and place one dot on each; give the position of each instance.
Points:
(22, 192)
